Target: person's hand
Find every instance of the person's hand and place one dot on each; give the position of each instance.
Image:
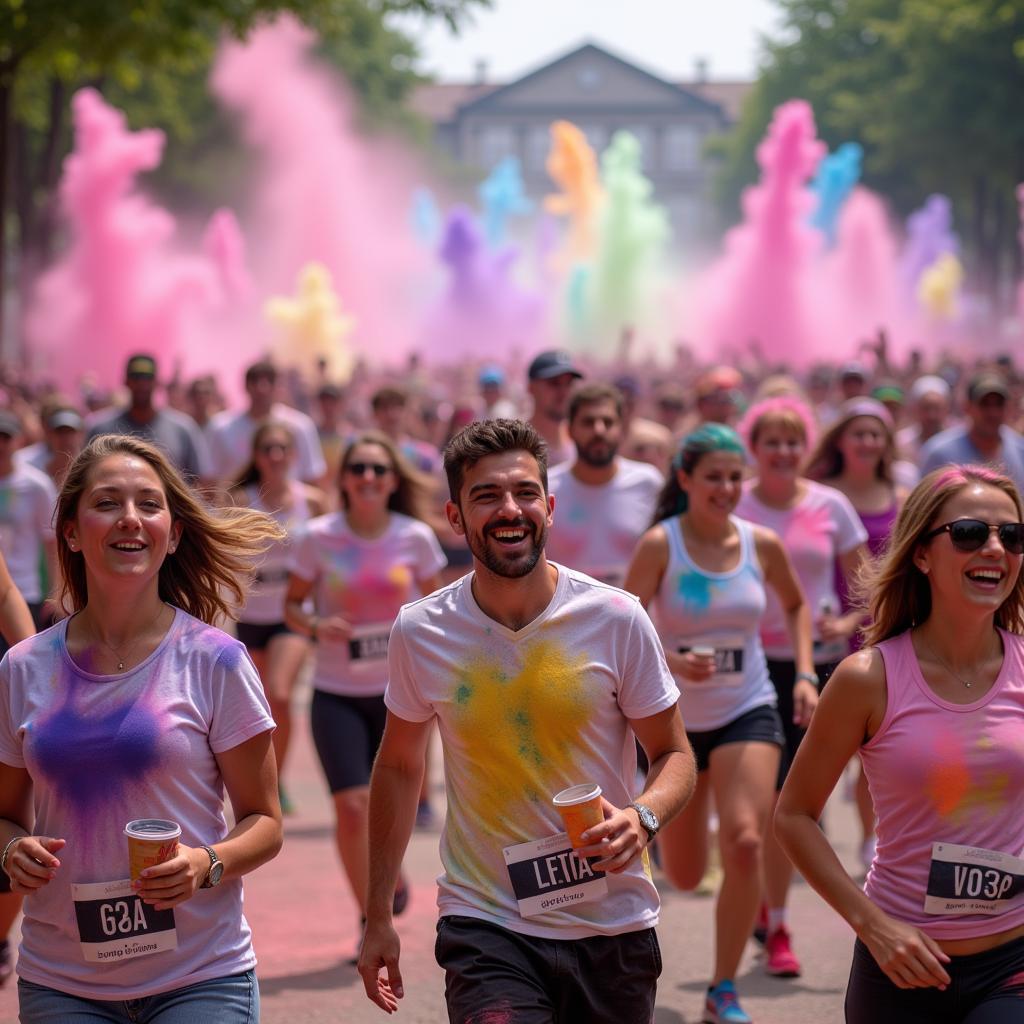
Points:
(838, 627)
(166, 885)
(618, 840)
(909, 958)
(697, 668)
(805, 700)
(334, 630)
(31, 863)
(379, 953)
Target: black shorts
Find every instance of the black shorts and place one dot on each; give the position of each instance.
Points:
(783, 676)
(987, 988)
(257, 635)
(758, 725)
(346, 733)
(492, 973)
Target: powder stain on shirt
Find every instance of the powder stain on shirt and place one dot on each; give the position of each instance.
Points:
(695, 590)
(948, 780)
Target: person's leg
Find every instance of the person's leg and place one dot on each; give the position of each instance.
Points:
(742, 777)
(491, 973)
(871, 998)
(993, 984)
(285, 656)
(38, 1004)
(608, 979)
(234, 999)
(683, 842)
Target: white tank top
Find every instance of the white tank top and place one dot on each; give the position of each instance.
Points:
(264, 604)
(696, 607)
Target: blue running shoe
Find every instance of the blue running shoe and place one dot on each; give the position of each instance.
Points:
(722, 1005)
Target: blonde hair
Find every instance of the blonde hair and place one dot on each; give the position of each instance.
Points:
(895, 592)
(206, 574)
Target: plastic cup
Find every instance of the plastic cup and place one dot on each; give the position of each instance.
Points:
(150, 841)
(580, 807)
(703, 651)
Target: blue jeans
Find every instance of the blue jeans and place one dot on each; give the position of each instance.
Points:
(231, 1000)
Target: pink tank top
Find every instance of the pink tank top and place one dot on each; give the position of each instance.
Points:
(947, 781)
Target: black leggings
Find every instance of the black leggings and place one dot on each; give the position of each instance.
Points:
(346, 733)
(987, 988)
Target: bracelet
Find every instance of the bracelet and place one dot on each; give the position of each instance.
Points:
(810, 677)
(7, 851)
(313, 623)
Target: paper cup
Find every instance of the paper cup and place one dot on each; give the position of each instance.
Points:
(150, 841)
(580, 807)
(703, 651)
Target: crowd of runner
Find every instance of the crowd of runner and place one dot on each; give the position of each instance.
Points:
(710, 590)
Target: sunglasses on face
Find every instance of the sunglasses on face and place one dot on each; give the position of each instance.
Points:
(359, 468)
(269, 449)
(972, 534)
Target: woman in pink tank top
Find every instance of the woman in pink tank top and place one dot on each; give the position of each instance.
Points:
(934, 703)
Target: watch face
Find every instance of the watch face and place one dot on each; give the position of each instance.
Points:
(215, 872)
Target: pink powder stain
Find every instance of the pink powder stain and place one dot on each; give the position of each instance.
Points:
(502, 1013)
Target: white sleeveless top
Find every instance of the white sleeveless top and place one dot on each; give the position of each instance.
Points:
(696, 607)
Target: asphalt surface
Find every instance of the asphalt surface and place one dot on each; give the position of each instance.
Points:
(305, 926)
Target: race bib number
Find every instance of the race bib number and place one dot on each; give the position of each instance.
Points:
(547, 875)
(368, 645)
(729, 657)
(972, 880)
(115, 925)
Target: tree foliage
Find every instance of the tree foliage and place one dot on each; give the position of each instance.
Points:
(930, 88)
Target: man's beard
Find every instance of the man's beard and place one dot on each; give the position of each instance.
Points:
(509, 568)
(598, 454)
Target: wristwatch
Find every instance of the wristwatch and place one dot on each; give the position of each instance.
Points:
(213, 876)
(808, 677)
(648, 819)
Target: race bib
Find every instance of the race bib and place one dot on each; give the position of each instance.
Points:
(729, 656)
(115, 925)
(546, 875)
(972, 880)
(368, 645)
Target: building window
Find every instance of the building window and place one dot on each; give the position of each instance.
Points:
(682, 148)
(495, 143)
(538, 145)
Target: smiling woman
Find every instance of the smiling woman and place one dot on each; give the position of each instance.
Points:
(137, 705)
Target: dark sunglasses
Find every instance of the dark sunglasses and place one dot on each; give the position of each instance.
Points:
(267, 449)
(972, 534)
(360, 468)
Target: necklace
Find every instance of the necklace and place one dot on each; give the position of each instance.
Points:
(130, 647)
(959, 679)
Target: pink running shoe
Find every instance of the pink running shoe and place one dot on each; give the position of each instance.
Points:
(781, 961)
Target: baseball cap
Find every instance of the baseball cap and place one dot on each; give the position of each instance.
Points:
(65, 418)
(491, 375)
(928, 385)
(10, 425)
(140, 366)
(888, 393)
(986, 384)
(552, 364)
(854, 369)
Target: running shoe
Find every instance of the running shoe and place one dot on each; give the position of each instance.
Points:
(781, 961)
(722, 1005)
(6, 967)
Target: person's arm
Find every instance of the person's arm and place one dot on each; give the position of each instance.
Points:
(15, 619)
(851, 708)
(249, 771)
(842, 627)
(643, 578)
(31, 860)
(394, 793)
(780, 576)
(671, 779)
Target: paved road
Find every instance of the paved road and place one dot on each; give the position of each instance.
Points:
(305, 927)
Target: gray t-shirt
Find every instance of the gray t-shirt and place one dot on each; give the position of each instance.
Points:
(954, 446)
(174, 432)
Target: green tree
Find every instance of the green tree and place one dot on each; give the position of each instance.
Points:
(152, 58)
(930, 88)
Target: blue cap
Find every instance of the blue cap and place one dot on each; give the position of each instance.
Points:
(492, 375)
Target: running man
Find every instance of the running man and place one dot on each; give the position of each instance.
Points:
(538, 677)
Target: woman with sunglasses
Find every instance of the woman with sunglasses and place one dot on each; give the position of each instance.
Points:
(821, 530)
(278, 653)
(705, 574)
(934, 704)
(360, 564)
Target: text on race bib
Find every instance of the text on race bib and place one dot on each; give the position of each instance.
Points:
(972, 880)
(369, 643)
(114, 924)
(547, 875)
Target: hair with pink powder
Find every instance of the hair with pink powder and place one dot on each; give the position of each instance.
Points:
(784, 406)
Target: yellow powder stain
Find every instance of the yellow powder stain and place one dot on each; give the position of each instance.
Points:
(520, 729)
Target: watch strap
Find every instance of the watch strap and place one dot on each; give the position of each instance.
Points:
(208, 883)
(642, 812)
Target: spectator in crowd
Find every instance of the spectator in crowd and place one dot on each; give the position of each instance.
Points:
(550, 379)
(929, 408)
(63, 437)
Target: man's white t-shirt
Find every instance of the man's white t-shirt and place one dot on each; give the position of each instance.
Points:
(27, 501)
(597, 528)
(524, 715)
(230, 436)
